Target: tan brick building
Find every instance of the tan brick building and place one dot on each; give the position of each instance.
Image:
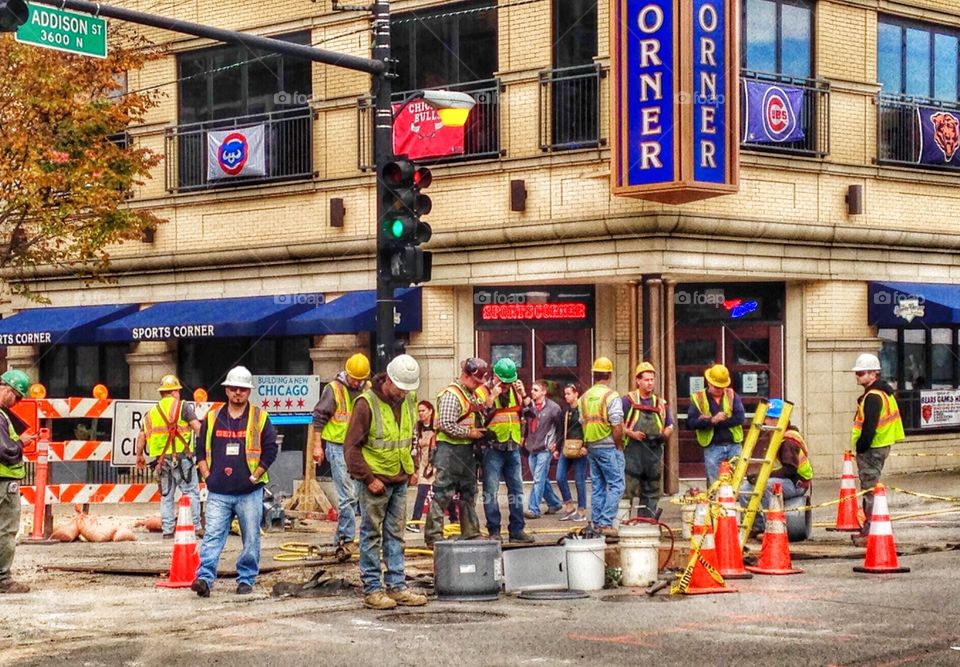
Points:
(792, 249)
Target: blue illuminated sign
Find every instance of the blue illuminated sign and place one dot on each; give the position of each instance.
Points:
(709, 91)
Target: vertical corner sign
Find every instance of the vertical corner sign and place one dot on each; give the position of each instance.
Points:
(676, 99)
(62, 30)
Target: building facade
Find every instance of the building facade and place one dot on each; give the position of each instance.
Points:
(841, 240)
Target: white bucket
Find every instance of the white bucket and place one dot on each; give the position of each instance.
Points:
(687, 513)
(586, 563)
(639, 554)
(623, 512)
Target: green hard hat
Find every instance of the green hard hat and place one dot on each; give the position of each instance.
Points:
(16, 380)
(506, 370)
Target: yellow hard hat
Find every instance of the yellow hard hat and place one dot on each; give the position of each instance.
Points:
(645, 367)
(358, 367)
(718, 376)
(602, 365)
(169, 382)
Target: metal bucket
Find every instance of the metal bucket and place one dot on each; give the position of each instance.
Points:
(467, 570)
(639, 554)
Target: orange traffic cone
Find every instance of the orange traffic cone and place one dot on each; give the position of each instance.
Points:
(775, 552)
(848, 519)
(701, 575)
(185, 559)
(881, 555)
(729, 549)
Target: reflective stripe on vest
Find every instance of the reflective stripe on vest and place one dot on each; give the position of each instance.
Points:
(804, 468)
(705, 435)
(166, 430)
(17, 470)
(389, 446)
(657, 405)
(256, 421)
(505, 423)
(593, 413)
(889, 426)
(335, 430)
(468, 408)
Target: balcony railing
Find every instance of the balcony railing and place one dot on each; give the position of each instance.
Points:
(288, 150)
(570, 108)
(899, 138)
(481, 134)
(814, 116)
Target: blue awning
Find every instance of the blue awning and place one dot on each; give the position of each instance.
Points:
(59, 325)
(354, 312)
(917, 304)
(210, 318)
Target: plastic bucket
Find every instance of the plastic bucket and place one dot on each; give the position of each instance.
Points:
(623, 512)
(686, 520)
(467, 570)
(586, 563)
(639, 554)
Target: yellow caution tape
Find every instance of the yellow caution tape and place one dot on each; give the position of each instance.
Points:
(924, 454)
(949, 499)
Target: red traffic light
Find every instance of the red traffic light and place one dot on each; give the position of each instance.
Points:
(397, 173)
(422, 177)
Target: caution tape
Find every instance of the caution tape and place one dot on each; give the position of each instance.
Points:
(683, 579)
(949, 499)
(924, 454)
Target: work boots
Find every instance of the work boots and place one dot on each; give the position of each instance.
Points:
(378, 600)
(11, 586)
(407, 598)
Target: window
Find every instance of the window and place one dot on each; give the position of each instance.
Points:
(918, 60)
(204, 363)
(778, 37)
(73, 370)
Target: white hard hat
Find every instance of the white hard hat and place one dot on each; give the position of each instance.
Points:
(404, 372)
(239, 376)
(867, 362)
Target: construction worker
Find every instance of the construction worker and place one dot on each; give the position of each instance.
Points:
(459, 425)
(330, 418)
(379, 454)
(14, 385)
(794, 473)
(716, 414)
(601, 413)
(500, 455)
(876, 426)
(167, 434)
(237, 445)
(647, 425)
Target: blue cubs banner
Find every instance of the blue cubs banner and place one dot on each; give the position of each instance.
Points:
(939, 136)
(774, 113)
(235, 152)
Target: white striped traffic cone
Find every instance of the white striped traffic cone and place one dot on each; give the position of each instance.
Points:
(881, 556)
(186, 558)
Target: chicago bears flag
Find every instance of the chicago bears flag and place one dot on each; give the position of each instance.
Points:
(939, 136)
(235, 152)
(774, 113)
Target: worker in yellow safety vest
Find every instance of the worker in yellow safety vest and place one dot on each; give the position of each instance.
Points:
(379, 454)
(876, 426)
(14, 385)
(716, 414)
(601, 413)
(330, 418)
(167, 438)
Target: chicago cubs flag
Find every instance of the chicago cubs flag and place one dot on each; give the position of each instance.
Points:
(773, 113)
(939, 136)
(235, 152)
(418, 133)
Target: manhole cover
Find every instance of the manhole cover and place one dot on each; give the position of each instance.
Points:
(442, 617)
(642, 597)
(553, 595)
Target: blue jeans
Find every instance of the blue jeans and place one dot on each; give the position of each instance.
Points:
(607, 481)
(221, 508)
(171, 478)
(382, 522)
(540, 469)
(579, 467)
(790, 490)
(496, 466)
(713, 455)
(347, 492)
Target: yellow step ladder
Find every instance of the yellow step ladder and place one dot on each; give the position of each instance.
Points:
(767, 462)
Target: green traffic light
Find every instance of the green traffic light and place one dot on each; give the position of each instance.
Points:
(396, 228)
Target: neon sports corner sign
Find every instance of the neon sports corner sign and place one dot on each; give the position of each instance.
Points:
(676, 99)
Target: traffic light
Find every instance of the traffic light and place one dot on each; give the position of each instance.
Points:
(13, 14)
(401, 231)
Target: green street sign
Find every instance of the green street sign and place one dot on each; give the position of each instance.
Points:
(62, 30)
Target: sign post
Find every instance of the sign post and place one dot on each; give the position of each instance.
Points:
(62, 30)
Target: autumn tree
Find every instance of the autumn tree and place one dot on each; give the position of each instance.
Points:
(66, 166)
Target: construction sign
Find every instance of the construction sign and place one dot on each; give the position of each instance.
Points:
(128, 420)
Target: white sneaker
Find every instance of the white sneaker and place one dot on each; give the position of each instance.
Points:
(412, 529)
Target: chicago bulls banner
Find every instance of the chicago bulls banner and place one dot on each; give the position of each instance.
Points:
(418, 133)
(235, 152)
(774, 113)
(939, 136)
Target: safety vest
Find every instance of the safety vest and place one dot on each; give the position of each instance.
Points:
(17, 470)
(804, 468)
(166, 430)
(470, 407)
(388, 446)
(505, 423)
(335, 430)
(256, 422)
(705, 435)
(657, 406)
(889, 426)
(593, 413)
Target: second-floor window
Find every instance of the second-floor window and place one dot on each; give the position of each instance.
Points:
(777, 37)
(917, 60)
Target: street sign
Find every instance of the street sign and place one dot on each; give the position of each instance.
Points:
(286, 394)
(128, 420)
(62, 30)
